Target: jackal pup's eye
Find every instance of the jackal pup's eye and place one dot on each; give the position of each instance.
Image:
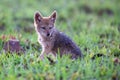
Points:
(50, 27)
(42, 27)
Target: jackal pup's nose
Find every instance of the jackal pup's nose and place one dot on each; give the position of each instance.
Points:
(48, 34)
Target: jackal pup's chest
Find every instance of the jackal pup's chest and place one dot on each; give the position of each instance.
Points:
(47, 45)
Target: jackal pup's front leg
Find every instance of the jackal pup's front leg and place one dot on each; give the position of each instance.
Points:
(41, 56)
(43, 53)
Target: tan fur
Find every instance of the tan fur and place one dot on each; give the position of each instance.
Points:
(51, 39)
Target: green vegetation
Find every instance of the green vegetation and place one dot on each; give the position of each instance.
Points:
(93, 24)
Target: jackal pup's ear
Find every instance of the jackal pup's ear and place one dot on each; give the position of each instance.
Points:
(53, 16)
(37, 17)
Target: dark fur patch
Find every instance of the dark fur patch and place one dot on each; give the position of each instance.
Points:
(65, 45)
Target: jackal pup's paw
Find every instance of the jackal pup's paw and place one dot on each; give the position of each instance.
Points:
(40, 58)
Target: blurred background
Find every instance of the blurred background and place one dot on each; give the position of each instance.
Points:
(73, 16)
(94, 25)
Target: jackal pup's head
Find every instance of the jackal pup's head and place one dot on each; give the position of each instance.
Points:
(44, 25)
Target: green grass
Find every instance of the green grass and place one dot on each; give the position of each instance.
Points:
(93, 24)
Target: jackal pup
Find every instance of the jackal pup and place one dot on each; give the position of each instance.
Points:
(51, 40)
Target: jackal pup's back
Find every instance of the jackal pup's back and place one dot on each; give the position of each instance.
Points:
(51, 40)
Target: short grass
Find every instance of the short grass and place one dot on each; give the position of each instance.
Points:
(93, 24)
